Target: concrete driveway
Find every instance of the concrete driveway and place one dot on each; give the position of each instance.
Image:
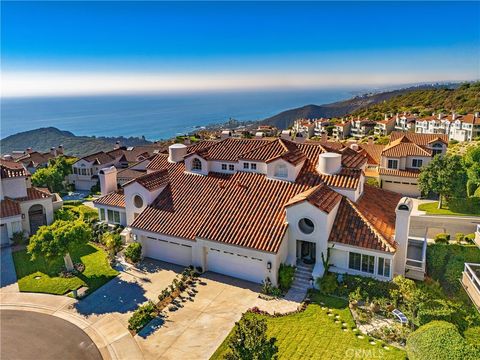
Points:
(8, 276)
(195, 330)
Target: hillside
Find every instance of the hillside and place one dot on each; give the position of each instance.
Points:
(285, 119)
(463, 99)
(44, 138)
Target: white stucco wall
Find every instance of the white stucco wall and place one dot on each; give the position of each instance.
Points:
(188, 165)
(133, 189)
(121, 211)
(400, 184)
(13, 187)
(292, 171)
(26, 205)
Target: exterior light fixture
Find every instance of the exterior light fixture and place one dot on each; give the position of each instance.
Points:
(269, 265)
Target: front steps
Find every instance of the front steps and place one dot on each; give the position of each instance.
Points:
(301, 283)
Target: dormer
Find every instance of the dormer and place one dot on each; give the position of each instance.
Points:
(286, 166)
(142, 191)
(195, 163)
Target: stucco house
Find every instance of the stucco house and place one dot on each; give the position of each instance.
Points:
(33, 160)
(23, 207)
(241, 207)
(402, 159)
(455, 126)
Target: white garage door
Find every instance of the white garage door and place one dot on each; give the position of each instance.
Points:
(227, 263)
(168, 251)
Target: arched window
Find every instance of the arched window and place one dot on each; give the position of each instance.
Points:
(281, 171)
(196, 165)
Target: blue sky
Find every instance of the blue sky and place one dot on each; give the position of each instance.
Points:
(203, 45)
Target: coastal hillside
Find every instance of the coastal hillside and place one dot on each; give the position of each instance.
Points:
(463, 99)
(44, 138)
(286, 118)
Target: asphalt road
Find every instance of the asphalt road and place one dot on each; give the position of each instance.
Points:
(27, 335)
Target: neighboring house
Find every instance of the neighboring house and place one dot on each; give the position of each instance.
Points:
(402, 159)
(23, 207)
(405, 122)
(33, 160)
(457, 127)
(303, 128)
(266, 130)
(385, 127)
(242, 207)
(361, 128)
(85, 171)
(341, 130)
(321, 126)
(471, 276)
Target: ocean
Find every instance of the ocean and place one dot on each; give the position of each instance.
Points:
(153, 116)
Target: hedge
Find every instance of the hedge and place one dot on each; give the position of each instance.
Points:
(142, 316)
(439, 340)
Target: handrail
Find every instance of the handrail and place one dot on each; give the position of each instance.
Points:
(472, 275)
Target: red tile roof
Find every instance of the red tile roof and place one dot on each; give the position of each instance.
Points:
(373, 152)
(11, 169)
(9, 208)
(229, 149)
(403, 147)
(419, 139)
(152, 181)
(320, 196)
(99, 158)
(115, 199)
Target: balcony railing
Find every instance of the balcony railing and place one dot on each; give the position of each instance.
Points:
(471, 282)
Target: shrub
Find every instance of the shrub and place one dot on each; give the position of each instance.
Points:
(133, 252)
(269, 289)
(442, 238)
(142, 316)
(286, 275)
(472, 335)
(328, 283)
(470, 238)
(453, 273)
(19, 238)
(112, 241)
(439, 340)
(372, 182)
(459, 237)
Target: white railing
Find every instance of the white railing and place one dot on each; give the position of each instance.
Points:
(472, 275)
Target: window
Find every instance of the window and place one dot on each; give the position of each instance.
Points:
(75, 170)
(138, 201)
(102, 214)
(253, 166)
(231, 167)
(306, 226)
(383, 267)
(110, 215)
(417, 163)
(361, 262)
(392, 164)
(245, 165)
(354, 261)
(224, 166)
(281, 171)
(196, 165)
(437, 149)
(113, 216)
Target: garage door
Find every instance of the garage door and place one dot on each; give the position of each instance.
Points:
(172, 252)
(235, 265)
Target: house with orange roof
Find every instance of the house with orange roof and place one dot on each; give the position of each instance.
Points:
(405, 122)
(341, 130)
(23, 207)
(242, 207)
(33, 160)
(402, 159)
(457, 127)
(385, 127)
(303, 128)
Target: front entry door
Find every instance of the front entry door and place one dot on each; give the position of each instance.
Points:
(307, 252)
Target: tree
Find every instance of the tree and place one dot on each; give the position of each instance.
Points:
(249, 341)
(444, 175)
(55, 240)
(54, 174)
(472, 164)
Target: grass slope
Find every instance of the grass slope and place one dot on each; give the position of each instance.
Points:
(313, 334)
(97, 271)
(470, 208)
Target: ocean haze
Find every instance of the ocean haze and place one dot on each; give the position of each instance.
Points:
(153, 116)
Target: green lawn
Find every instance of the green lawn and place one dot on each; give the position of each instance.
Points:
(432, 209)
(97, 271)
(313, 334)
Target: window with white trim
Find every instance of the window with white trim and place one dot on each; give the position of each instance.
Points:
(392, 164)
(224, 166)
(361, 262)
(253, 166)
(281, 171)
(383, 267)
(113, 216)
(102, 214)
(196, 165)
(231, 167)
(417, 163)
(245, 165)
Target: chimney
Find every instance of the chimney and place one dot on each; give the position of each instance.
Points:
(29, 150)
(440, 116)
(225, 134)
(385, 117)
(324, 136)
(117, 145)
(258, 135)
(176, 152)
(476, 114)
(186, 140)
(354, 147)
(402, 227)
(370, 140)
(454, 116)
(329, 163)
(60, 149)
(286, 135)
(108, 180)
(7, 157)
(53, 151)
